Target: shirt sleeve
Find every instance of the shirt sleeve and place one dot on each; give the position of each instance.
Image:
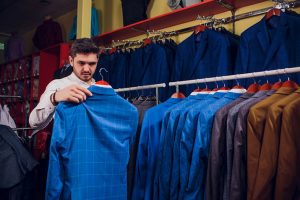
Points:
(55, 171)
(45, 108)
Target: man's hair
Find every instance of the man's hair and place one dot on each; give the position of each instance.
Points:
(83, 46)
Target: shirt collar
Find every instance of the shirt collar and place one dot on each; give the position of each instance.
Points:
(174, 100)
(75, 79)
(232, 95)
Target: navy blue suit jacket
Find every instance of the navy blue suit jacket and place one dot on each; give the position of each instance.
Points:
(269, 45)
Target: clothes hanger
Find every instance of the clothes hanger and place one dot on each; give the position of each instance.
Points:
(178, 95)
(102, 82)
(273, 12)
(289, 83)
(254, 87)
(266, 86)
(277, 10)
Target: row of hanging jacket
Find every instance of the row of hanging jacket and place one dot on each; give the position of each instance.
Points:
(201, 55)
(228, 144)
(270, 44)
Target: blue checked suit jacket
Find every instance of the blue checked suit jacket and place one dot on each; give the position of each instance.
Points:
(89, 148)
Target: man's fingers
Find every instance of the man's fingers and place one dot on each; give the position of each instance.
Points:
(86, 91)
(79, 97)
(74, 99)
(79, 92)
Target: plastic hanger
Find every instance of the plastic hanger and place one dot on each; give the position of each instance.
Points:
(254, 87)
(178, 95)
(237, 86)
(102, 82)
(112, 50)
(147, 41)
(266, 86)
(273, 12)
(200, 29)
(289, 83)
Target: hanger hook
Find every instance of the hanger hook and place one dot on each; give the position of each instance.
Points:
(254, 81)
(216, 83)
(265, 73)
(236, 80)
(288, 78)
(101, 73)
(205, 83)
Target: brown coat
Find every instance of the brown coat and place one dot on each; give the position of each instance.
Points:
(255, 134)
(288, 173)
(267, 167)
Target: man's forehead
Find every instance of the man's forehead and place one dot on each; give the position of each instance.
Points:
(85, 56)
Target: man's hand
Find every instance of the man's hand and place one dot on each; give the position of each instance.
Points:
(72, 93)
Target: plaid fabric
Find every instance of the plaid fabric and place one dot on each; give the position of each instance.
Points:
(89, 148)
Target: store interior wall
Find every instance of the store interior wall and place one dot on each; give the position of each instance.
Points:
(110, 18)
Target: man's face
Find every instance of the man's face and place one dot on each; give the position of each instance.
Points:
(84, 66)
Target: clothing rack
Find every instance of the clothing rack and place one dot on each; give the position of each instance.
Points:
(237, 76)
(23, 129)
(215, 22)
(144, 87)
(9, 96)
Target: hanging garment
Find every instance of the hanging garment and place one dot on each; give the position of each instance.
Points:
(255, 133)
(217, 155)
(238, 186)
(266, 173)
(288, 178)
(95, 30)
(196, 179)
(14, 48)
(10, 122)
(103, 62)
(187, 140)
(89, 158)
(230, 129)
(134, 11)
(212, 54)
(142, 106)
(118, 70)
(177, 131)
(270, 44)
(47, 34)
(3, 117)
(148, 149)
(155, 55)
(15, 161)
(167, 143)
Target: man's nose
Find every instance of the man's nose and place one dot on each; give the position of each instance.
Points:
(86, 67)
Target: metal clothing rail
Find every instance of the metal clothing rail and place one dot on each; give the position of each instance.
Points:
(23, 129)
(144, 87)
(9, 96)
(238, 76)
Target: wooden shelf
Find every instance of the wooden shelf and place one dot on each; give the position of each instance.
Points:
(206, 8)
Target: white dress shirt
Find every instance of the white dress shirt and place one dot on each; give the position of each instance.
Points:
(43, 113)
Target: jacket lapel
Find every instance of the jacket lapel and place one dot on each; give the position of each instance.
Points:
(277, 40)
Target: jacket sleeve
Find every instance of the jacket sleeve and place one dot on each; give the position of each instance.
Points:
(55, 170)
(141, 162)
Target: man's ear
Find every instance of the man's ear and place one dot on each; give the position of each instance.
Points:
(71, 60)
